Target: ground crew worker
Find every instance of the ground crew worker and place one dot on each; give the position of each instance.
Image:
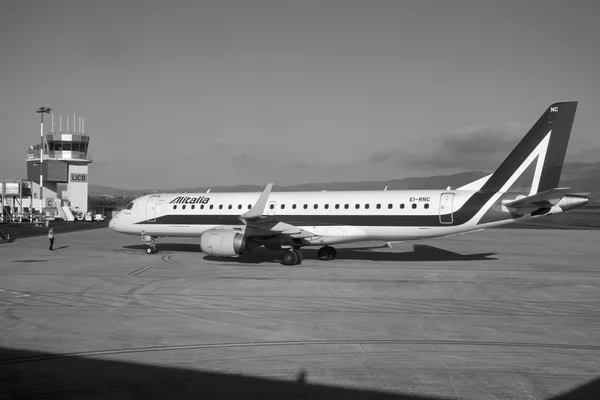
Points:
(51, 237)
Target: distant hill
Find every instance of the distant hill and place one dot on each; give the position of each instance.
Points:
(582, 177)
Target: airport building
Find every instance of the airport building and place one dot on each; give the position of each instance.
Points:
(62, 166)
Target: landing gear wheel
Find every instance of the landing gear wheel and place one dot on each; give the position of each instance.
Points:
(151, 250)
(299, 255)
(289, 257)
(326, 253)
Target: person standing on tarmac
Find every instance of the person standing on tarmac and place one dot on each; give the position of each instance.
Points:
(51, 237)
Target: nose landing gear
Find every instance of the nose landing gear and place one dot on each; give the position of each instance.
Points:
(151, 249)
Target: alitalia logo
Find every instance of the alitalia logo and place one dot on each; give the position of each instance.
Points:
(190, 200)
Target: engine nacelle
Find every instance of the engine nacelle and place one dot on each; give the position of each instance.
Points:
(222, 242)
(570, 202)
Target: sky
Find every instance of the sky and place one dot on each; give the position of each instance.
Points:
(181, 94)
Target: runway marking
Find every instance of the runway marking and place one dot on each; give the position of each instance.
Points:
(362, 346)
(408, 342)
(139, 271)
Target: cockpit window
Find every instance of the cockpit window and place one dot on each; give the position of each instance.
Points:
(129, 206)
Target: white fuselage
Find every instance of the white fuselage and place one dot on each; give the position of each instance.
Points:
(333, 217)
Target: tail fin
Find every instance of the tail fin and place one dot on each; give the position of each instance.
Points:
(541, 154)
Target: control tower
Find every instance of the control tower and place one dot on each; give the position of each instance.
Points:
(65, 160)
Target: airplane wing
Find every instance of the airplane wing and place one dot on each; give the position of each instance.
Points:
(258, 224)
(543, 199)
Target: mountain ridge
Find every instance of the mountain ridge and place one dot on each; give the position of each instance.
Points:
(580, 176)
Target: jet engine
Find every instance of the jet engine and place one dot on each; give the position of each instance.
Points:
(572, 201)
(222, 242)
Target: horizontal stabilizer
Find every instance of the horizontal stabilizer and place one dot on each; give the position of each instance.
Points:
(544, 199)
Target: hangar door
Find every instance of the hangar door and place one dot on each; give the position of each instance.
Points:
(446, 208)
(151, 208)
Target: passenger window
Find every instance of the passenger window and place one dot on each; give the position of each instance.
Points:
(283, 206)
(414, 205)
(249, 206)
(202, 206)
(390, 206)
(305, 206)
(183, 207)
(239, 206)
(326, 206)
(367, 206)
(378, 206)
(316, 206)
(337, 206)
(357, 206)
(220, 206)
(211, 206)
(426, 205)
(346, 206)
(193, 206)
(402, 205)
(294, 206)
(175, 207)
(230, 206)
(272, 206)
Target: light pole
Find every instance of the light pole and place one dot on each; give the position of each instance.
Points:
(42, 111)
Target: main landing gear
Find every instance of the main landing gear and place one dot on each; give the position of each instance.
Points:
(151, 249)
(292, 257)
(326, 253)
(295, 257)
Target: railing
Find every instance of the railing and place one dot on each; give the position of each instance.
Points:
(75, 155)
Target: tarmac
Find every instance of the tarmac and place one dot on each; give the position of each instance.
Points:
(498, 314)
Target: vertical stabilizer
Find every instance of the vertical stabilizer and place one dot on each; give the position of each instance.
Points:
(539, 157)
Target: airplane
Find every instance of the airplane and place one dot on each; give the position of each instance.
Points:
(524, 186)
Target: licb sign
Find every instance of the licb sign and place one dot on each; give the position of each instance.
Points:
(78, 177)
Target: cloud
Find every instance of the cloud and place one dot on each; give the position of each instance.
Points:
(379, 157)
(244, 159)
(470, 148)
(590, 154)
